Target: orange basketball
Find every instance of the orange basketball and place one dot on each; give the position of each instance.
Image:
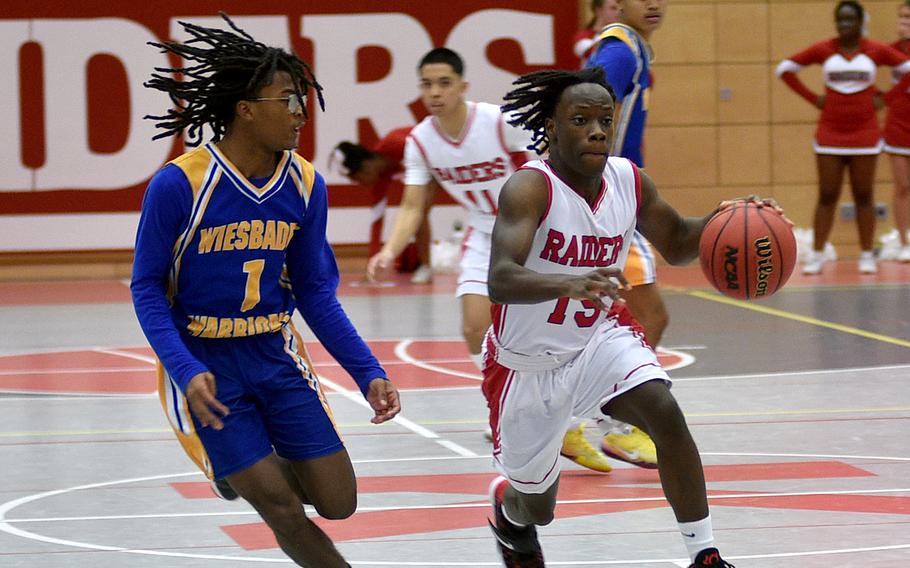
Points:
(747, 251)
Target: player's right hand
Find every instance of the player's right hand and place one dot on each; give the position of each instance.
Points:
(200, 393)
(379, 266)
(595, 285)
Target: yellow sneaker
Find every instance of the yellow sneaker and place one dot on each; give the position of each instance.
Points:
(578, 449)
(634, 447)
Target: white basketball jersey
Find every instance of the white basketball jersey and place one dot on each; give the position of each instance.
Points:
(573, 238)
(472, 168)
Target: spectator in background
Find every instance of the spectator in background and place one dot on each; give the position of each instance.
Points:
(603, 12)
(377, 169)
(848, 135)
(897, 141)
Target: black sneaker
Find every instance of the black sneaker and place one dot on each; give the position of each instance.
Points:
(223, 490)
(710, 557)
(518, 546)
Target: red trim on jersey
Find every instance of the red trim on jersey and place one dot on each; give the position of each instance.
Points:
(420, 149)
(549, 193)
(500, 130)
(637, 173)
(600, 196)
(472, 111)
(603, 185)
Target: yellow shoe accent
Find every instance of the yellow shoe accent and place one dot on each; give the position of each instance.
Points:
(636, 447)
(578, 449)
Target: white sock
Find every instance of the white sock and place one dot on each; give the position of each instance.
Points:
(478, 360)
(697, 536)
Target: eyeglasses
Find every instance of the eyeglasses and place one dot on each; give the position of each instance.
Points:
(295, 105)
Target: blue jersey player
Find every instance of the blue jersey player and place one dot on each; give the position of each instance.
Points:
(624, 54)
(232, 238)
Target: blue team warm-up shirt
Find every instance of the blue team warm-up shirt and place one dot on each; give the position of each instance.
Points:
(626, 59)
(218, 255)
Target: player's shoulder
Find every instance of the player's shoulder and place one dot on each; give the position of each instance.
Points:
(186, 169)
(622, 34)
(620, 168)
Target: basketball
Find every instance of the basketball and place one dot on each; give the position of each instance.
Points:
(747, 251)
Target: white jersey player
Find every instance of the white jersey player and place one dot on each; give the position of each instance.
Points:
(470, 150)
(560, 343)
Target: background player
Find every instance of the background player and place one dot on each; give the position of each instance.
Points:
(376, 169)
(559, 344)
(225, 232)
(625, 55)
(469, 149)
(848, 136)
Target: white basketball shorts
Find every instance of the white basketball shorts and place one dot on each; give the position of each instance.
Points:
(531, 410)
(475, 264)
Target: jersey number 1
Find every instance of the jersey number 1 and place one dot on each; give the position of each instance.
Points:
(253, 270)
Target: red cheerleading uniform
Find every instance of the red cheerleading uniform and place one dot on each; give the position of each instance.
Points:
(848, 124)
(897, 123)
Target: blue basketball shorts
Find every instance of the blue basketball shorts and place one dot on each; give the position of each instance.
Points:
(275, 399)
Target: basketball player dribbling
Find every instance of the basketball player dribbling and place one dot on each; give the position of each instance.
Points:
(469, 150)
(560, 344)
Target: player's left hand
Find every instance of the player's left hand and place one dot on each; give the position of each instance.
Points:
(383, 397)
(760, 201)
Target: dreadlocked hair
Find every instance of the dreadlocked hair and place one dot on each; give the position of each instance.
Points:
(232, 66)
(534, 101)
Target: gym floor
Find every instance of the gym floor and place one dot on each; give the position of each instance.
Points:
(800, 406)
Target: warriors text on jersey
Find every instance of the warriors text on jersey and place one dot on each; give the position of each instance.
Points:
(573, 238)
(217, 256)
(848, 118)
(471, 168)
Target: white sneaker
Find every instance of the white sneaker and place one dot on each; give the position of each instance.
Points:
(904, 254)
(813, 262)
(423, 275)
(866, 263)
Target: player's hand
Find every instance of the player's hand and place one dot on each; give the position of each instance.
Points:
(760, 201)
(200, 393)
(595, 285)
(383, 398)
(379, 266)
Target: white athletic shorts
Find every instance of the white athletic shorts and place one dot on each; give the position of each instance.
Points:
(531, 410)
(475, 264)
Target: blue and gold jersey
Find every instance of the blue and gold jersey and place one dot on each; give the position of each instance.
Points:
(217, 256)
(626, 59)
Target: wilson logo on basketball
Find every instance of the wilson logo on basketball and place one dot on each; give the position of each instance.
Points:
(765, 266)
(731, 265)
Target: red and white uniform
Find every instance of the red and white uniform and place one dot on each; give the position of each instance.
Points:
(897, 123)
(847, 124)
(472, 168)
(547, 362)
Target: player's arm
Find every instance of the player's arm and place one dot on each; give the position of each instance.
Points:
(523, 202)
(165, 212)
(674, 236)
(314, 279)
(410, 212)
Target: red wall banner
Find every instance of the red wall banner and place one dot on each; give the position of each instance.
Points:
(75, 141)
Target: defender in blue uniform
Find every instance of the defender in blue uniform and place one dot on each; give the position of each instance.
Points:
(232, 238)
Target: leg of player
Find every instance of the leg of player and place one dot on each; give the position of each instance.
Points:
(830, 178)
(620, 440)
(900, 203)
(475, 320)
(651, 407)
(328, 481)
(862, 172)
(515, 516)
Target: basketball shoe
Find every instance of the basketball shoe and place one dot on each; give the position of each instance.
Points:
(710, 558)
(866, 263)
(518, 546)
(813, 262)
(631, 445)
(578, 449)
(223, 489)
(423, 275)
